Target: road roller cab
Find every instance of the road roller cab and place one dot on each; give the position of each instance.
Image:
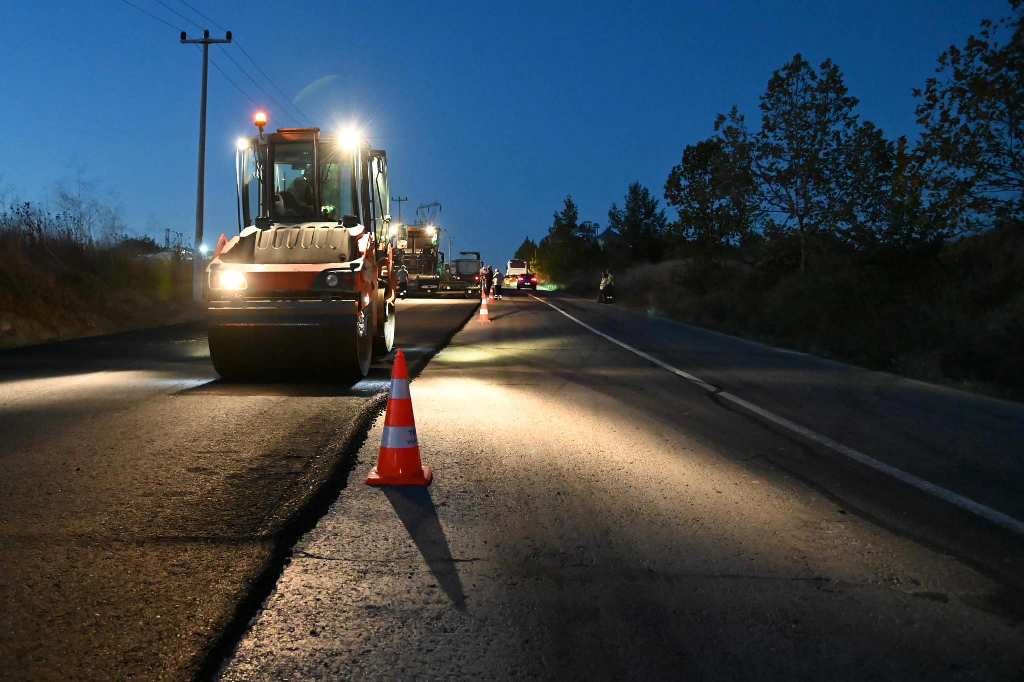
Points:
(307, 284)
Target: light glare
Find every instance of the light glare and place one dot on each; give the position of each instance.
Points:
(232, 280)
(349, 138)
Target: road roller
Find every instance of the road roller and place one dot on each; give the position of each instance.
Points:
(307, 285)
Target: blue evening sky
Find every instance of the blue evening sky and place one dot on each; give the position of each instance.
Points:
(495, 110)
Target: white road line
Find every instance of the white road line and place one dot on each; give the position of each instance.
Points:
(989, 514)
(650, 358)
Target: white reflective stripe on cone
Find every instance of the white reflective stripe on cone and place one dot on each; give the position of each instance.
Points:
(399, 389)
(399, 437)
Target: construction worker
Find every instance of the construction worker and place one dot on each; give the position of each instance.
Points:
(402, 275)
(497, 283)
(607, 287)
(485, 280)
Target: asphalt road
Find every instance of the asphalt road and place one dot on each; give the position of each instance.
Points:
(143, 502)
(594, 516)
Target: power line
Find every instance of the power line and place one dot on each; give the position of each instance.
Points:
(230, 80)
(217, 66)
(233, 83)
(269, 80)
(295, 108)
(151, 15)
(258, 86)
(179, 14)
(191, 7)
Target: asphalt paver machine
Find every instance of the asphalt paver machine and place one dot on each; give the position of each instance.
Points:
(308, 284)
(420, 254)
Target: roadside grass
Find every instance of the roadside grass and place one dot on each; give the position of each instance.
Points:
(954, 316)
(57, 283)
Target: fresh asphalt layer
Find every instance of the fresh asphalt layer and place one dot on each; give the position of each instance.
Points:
(593, 516)
(143, 500)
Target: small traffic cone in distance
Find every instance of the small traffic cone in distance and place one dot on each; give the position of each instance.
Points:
(398, 462)
(484, 315)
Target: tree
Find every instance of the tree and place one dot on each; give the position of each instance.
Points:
(713, 188)
(554, 253)
(694, 189)
(912, 221)
(807, 120)
(527, 250)
(882, 190)
(864, 187)
(973, 119)
(640, 225)
(570, 246)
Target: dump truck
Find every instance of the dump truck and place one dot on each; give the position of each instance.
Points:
(464, 274)
(308, 284)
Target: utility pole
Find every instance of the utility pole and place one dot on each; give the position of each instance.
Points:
(197, 256)
(399, 200)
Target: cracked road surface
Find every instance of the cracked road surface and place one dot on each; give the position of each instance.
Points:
(594, 517)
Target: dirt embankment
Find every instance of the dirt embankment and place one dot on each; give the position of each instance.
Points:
(55, 285)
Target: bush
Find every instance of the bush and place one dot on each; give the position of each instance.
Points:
(953, 311)
(59, 283)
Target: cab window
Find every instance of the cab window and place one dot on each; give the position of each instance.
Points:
(294, 192)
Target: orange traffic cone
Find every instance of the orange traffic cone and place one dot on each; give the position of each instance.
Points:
(484, 316)
(399, 460)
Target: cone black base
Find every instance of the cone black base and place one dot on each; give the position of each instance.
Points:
(376, 479)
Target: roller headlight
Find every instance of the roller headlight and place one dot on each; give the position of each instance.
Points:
(229, 280)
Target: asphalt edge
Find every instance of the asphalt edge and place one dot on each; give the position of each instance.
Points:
(306, 514)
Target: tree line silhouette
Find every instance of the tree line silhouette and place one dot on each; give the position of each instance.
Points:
(817, 230)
